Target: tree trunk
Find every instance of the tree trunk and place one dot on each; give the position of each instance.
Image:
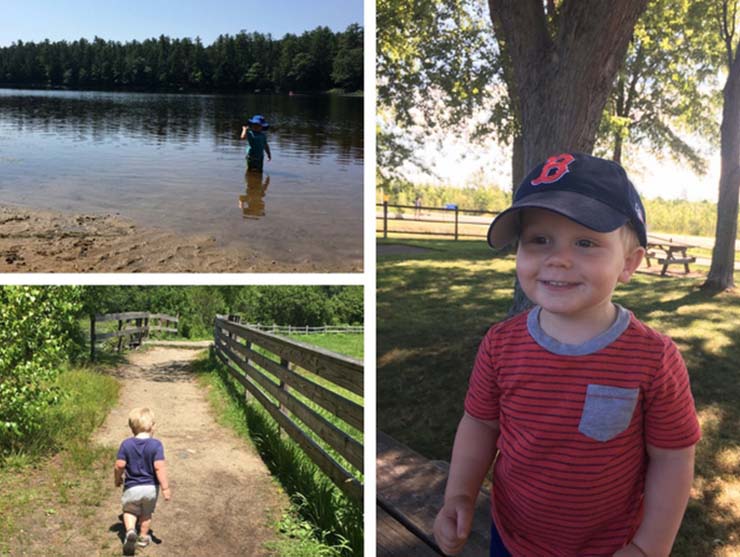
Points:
(563, 73)
(721, 272)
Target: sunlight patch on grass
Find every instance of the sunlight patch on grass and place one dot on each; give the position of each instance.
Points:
(710, 419)
(396, 355)
(728, 460)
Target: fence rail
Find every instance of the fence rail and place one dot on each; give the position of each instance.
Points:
(144, 322)
(433, 221)
(306, 330)
(282, 383)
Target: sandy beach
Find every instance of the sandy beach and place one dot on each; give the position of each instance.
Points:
(45, 241)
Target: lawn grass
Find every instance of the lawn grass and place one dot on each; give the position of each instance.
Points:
(433, 308)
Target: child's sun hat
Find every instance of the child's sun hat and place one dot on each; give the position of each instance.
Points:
(593, 192)
(260, 120)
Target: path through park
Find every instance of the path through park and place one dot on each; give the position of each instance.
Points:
(224, 501)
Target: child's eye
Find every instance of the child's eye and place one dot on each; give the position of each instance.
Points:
(537, 239)
(586, 243)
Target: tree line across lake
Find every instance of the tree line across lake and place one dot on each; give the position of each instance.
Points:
(318, 60)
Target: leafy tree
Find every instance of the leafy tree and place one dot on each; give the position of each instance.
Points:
(436, 61)
(665, 88)
(722, 269)
(38, 332)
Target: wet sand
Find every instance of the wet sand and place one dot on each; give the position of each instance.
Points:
(45, 241)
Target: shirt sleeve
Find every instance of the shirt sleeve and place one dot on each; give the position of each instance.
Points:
(670, 414)
(159, 454)
(482, 399)
(121, 453)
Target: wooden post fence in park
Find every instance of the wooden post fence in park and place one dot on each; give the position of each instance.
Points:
(452, 221)
(297, 382)
(135, 335)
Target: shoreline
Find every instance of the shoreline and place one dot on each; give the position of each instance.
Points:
(34, 240)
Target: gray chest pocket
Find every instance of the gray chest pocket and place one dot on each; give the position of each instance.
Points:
(607, 411)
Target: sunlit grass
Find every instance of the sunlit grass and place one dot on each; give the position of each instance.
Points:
(59, 469)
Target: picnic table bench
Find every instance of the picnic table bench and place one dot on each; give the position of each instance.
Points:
(674, 253)
(410, 492)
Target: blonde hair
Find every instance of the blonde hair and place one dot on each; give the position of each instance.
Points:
(629, 236)
(141, 419)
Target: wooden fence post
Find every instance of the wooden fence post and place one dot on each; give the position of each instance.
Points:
(385, 219)
(92, 337)
(282, 387)
(120, 339)
(456, 218)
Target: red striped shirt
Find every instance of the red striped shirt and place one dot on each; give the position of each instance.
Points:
(557, 490)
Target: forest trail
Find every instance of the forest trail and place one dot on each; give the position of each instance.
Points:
(224, 501)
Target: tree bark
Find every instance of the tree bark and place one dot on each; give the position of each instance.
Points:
(562, 73)
(721, 271)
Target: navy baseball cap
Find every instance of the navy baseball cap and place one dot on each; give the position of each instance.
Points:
(593, 192)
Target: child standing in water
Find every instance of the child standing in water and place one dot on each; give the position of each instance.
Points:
(255, 135)
(141, 458)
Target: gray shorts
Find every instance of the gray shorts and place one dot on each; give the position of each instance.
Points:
(140, 500)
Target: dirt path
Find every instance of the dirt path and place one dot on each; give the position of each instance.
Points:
(223, 499)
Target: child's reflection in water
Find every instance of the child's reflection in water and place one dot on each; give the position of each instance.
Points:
(252, 203)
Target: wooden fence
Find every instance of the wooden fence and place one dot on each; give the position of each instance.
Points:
(144, 323)
(306, 330)
(292, 382)
(433, 221)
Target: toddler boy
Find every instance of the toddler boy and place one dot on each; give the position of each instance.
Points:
(588, 411)
(141, 458)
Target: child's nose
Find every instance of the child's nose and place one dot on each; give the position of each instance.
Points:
(560, 255)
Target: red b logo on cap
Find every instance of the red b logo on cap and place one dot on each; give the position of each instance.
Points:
(554, 168)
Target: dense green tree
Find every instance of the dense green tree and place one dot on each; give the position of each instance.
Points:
(246, 62)
(38, 332)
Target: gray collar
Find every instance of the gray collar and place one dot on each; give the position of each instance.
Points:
(589, 347)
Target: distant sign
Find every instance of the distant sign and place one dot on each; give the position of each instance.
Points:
(451, 206)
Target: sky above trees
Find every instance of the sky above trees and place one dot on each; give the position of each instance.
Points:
(36, 20)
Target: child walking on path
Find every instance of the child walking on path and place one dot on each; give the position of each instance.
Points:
(587, 411)
(257, 142)
(141, 460)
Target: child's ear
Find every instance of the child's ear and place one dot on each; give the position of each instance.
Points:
(631, 263)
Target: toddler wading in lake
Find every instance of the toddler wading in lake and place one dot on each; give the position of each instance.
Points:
(140, 460)
(257, 145)
(585, 412)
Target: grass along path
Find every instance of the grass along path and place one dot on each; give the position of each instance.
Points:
(435, 305)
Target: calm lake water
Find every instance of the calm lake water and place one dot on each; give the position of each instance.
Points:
(176, 161)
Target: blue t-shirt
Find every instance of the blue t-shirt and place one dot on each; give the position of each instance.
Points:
(140, 454)
(256, 145)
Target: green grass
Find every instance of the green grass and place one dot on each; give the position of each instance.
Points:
(58, 469)
(348, 344)
(321, 521)
(434, 308)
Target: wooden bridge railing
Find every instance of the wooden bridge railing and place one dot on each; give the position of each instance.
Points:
(144, 323)
(301, 382)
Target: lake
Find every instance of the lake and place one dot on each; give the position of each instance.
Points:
(176, 162)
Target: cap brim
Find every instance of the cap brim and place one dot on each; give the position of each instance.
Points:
(586, 211)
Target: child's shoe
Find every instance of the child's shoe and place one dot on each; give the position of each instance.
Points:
(129, 545)
(144, 541)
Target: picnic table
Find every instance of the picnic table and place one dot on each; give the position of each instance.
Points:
(674, 253)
